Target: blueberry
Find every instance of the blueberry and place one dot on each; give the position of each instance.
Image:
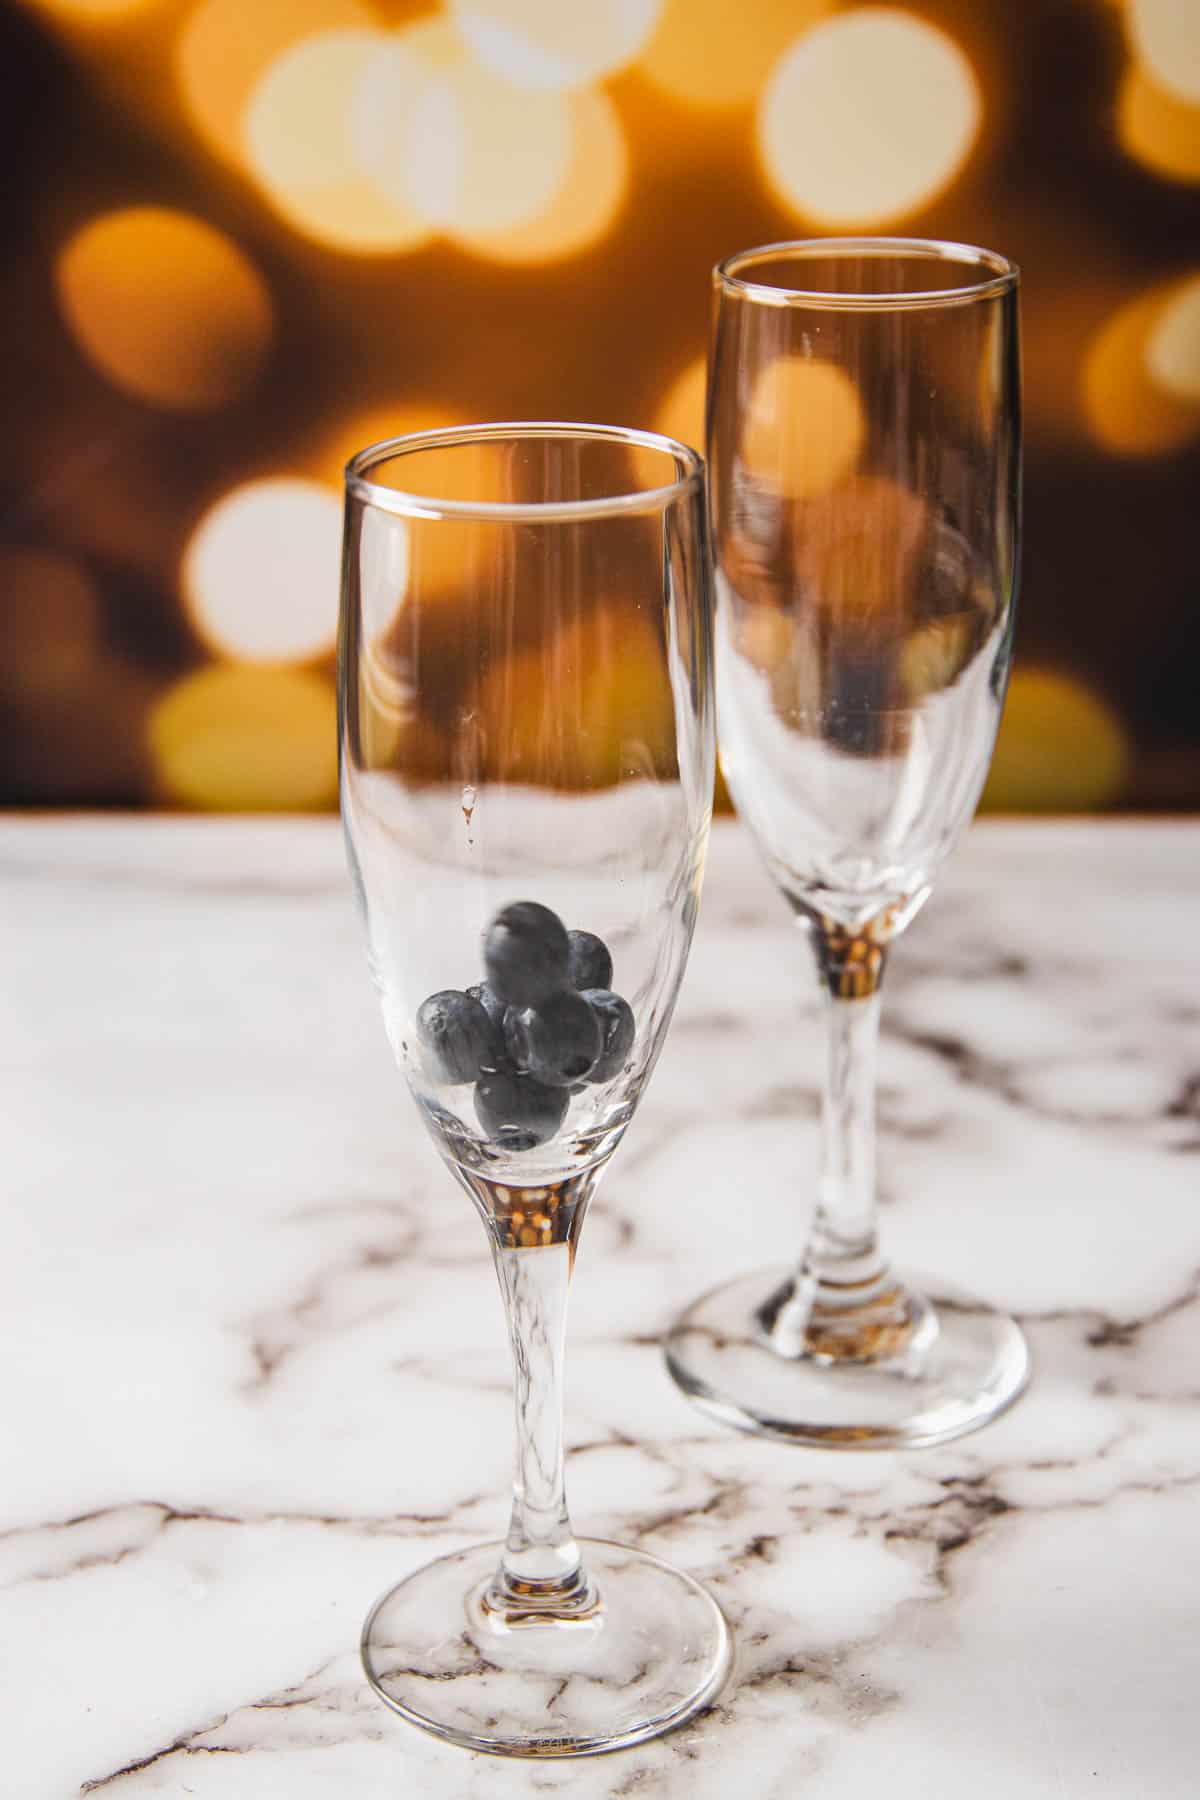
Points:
(617, 1023)
(495, 1009)
(457, 1033)
(525, 953)
(517, 1111)
(557, 1042)
(589, 964)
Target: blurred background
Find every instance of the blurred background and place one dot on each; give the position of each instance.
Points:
(245, 237)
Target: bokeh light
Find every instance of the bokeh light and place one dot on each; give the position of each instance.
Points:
(95, 12)
(165, 306)
(1061, 748)
(1173, 346)
(587, 201)
(48, 623)
(449, 141)
(227, 45)
(1165, 35)
(624, 707)
(555, 43)
(260, 571)
(1157, 128)
(681, 414)
(1129, 409)
(300, 147)
(714, 53)
(803, 428)
(867, 117)
(374, 425)
(246, 740)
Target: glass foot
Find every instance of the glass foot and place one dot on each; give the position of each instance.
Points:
(959, 1366)
(652, 1651)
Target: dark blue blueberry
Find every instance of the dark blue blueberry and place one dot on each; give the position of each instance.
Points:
(589, 964)
(617, 1023)
(457, 1035)
(558, 1041)
(525, 953)
(495, 1009)
(518, 1112)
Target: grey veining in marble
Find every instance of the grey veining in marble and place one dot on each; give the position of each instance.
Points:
(252, 1365)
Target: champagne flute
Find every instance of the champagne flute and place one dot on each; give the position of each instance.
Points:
(864, 484)
(527, 761)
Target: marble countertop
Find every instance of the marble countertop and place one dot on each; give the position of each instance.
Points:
(252, 1368)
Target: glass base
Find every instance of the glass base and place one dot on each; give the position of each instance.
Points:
(961, 1365)
(652, 1651)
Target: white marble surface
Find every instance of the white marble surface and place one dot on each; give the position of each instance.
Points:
(252, 1368)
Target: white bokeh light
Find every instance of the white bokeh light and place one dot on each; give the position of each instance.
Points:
(260, 571)
(867, 117)
(1166, 37)
(446, 139)
(555, 43)
(299, 144)
(1173, 346)
(586, 204)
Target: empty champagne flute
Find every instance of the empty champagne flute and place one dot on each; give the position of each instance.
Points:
(864, 487)
(527, 763)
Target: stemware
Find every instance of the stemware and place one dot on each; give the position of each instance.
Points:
(527, 748)
(864, 490)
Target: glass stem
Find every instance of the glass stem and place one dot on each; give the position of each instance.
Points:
(843, 1304)
(843, 1249)
(534, 1232)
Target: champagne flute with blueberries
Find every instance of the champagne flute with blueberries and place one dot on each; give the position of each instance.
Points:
(527, 765)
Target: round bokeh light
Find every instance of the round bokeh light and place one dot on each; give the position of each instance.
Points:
(260, 571)
(454, 144)
(587, 201)
(710, 53)
(555, 43)
(165, 306)
(803, 428)
(1166, 37)
(867, 117)
(299, 140)
(228, 739)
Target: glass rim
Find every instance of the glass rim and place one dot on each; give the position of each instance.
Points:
(1003, 274)
(407, 504)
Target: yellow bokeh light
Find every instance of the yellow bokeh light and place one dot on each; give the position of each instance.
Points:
(100, 12)
(1061, 748)
(803, 428)
(227, 45)
(450, 142)
(1166, 37)
(165, 306)
(1157, 128)
(299, 143)
(1173, 346)
(555, 43)
(586, 203)
(1129, 410)
(867, 117)
(246, 740)
(681, 414)
(621, 705)
(260, 571)
(712, 53)
(374, 425)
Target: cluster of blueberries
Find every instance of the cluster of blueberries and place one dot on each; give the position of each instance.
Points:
(543, 1023)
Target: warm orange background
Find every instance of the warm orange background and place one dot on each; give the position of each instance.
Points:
(245, 236)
